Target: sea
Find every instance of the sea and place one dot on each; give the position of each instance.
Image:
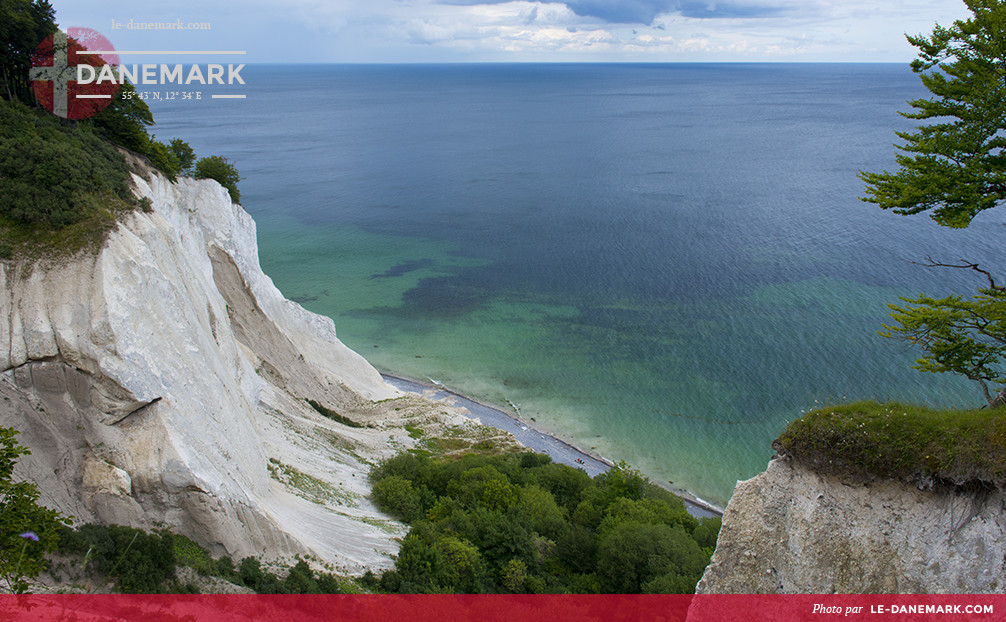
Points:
(662, 263)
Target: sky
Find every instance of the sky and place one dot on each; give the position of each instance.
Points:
(433, 31)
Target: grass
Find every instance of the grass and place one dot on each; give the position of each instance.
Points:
(188, 553)
(868, 440)
(310, 487)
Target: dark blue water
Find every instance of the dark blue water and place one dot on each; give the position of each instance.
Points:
(663, 262)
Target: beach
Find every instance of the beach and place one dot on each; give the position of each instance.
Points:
(537, 440)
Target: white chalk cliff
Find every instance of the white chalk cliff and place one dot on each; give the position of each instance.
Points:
(791, 530)
(162, 382)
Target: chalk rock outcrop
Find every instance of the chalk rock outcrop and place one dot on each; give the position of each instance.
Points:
(163, 382)
(790, 530)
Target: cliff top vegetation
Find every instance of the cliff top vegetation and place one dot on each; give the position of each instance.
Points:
(928, 447)
(63, 183)
(61, 186)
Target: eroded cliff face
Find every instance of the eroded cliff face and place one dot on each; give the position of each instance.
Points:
(790, 530)
(163, 382)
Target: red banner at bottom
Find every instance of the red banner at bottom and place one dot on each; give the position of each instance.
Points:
(498, 608)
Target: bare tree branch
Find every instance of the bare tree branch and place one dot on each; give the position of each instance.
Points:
(964, 265)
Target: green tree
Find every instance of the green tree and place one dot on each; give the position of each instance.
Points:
(163, 158)
(966, 336)
(707, 532)
(513, 576)
(125, 120)
(27, 530)
(954, 167)
(537, 508)
(222, 171)
(429, 561)
(301, 579)
(23, 25)
(634, 554)
(185, 155)
(648, 511)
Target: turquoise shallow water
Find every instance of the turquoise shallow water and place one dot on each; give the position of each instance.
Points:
(663, 263)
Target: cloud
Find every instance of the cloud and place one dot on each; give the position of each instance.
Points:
(623, 11)
(720, 10)
(556, 30)
(645, 11)
(515, 27)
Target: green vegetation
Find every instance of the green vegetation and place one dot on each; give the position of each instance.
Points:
(139, 562)
(27, 530)
(954, 167)
(125, 121)
(928, 447)
(966, 336)
(221, 170)
(23, 25)
(308, 486)
(62, 183)
(334, 416)
(184, 155)
(520, 523)
(61, 186)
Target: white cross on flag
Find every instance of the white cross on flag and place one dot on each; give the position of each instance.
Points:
(54, 73)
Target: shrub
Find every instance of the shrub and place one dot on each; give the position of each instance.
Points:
(140, 562)
(188, 553)
(222, 171)
(331, 414)
(395, 495)
(54, 175)
(27, 529)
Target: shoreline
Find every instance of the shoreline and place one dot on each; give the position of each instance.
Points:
(528, 435)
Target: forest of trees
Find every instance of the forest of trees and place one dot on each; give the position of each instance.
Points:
(519, 523)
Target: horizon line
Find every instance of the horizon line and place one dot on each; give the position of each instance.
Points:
(555, 62)
(232, 52)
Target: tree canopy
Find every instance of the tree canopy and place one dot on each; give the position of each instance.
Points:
(522, 524)
(953, 167)
(23, 25)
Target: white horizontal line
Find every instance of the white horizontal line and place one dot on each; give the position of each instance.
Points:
(162, 52)
(93, 96)
(228, 96)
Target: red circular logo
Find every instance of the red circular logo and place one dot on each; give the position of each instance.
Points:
(72, 73)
